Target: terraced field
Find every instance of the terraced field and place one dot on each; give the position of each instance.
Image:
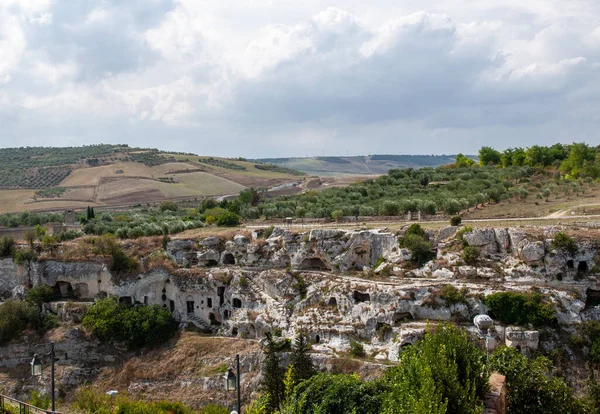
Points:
(135, 177)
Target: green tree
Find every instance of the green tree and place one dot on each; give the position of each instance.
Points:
(489, 156)
(272, 382)
(228, 219)
(531, 387)
(444, 374)
(520, 308)
(39, 294)
(463, 161)
(301, 360)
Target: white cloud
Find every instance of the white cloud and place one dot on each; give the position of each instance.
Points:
(262, 78)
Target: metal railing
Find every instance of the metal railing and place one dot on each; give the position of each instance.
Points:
(7, 403)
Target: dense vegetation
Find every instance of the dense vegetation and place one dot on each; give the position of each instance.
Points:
(222, 163)
(18, 316)
(575, 160)
(88, 401)
(443, 373)
(166, 219)
(43, 167)
(517, 308)
(277, 168)
(136, 326)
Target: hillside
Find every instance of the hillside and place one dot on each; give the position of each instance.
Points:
(37, 178)
(360, 165)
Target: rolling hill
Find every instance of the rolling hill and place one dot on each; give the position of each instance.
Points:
(43, 179)
(359, 165)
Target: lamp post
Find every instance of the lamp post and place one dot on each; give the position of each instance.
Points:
(232, 382)
(36, 367)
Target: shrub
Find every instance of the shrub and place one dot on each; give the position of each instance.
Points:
(121, 263)
(445, 373)
(530, 385)
(421, 250)
(38, 400)
(460, 234)
(210, 220)
(455, 221)
(7, 246)
(168, 206)
(416, 230)
(563, 242)
(21, 256)
(267, 232)
(470, 254)
(228, 219)
(383, 330)
(357, 350)
(39, 295)
(337, 215)
(137, 326)
(453, 295)
(15, 317)
(520, 308)
(327, 393)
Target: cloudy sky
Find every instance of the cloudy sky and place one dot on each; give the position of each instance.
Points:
(260, 78)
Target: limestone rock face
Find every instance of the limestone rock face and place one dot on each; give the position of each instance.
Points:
(240, 240)
(485, 239)
(209, 256)
(446, 233)
(532, 252)
(515, 236)
(502, 239)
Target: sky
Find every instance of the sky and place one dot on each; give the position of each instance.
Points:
(280, 78)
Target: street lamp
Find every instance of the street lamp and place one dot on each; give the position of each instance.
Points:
(232, 383)
(36, 367)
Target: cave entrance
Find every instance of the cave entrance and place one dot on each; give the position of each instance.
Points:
(228, 259)
(63, 290)
(125, 300)
(172, 305)
(317, 339)
(592, 298)
(400, 317)
(221, 294)
(570, 264)
(313, 263)
(582, 267)
(332, 301)
(361, 297)
(237, 303)
(190, 306)
(227, 314)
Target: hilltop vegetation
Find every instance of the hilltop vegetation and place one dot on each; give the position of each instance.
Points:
(42, 167)
(359, 165)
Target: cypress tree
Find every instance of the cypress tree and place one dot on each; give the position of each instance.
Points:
(303, 365)
(88, 213)
(272, 382)
(92, 213)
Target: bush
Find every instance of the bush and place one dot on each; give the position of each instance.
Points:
(21, 256)
(416, 230)
(121, 263)
(168, 206)
(455, 221)
(86, 400)
(267, 232)
(530, 385)
(38, 400)
(39, 295)
(453, 295)
(228, 219)
(15, 317)
(7, 246)
(337, 215)
(520, 308)
(470, 255)
(137, 326)
(327, 393)
(460, 234)
(357, 350)
(421, 250)
(563, 242)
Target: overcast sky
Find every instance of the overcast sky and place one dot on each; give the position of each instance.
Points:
(262, 78)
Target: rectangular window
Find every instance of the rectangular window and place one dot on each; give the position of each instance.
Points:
(209, 302)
